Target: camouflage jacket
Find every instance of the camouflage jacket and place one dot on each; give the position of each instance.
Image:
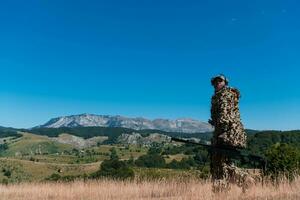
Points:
(225, 117)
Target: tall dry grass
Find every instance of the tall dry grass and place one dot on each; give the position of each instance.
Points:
(192, 189)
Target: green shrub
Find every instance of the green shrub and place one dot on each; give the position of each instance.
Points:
(283, 161)
(54, 177)
(151, 160)
(7, 173)
(185, 163)
(114, 168)
(68, 178)
(4, 181)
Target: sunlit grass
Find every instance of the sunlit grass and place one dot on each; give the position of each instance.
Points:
(171, 189)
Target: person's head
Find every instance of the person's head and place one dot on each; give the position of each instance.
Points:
(218, 82)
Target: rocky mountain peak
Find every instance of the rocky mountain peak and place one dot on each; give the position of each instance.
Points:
(182, 125)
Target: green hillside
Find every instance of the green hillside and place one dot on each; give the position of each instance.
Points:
(9, 132)
(30, 144)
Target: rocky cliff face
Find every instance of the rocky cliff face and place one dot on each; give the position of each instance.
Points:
(78, 142)
(88, 120)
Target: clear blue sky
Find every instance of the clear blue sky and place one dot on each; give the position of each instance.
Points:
(148, 58)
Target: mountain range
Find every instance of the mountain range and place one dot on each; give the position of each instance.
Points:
(184, 125)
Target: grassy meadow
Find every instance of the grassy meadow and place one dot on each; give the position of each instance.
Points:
(164, 189)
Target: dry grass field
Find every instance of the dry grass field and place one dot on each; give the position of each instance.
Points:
(92, 190)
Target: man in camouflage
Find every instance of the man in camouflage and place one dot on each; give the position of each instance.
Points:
(229, 131)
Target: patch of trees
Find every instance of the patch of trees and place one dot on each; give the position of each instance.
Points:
(259, 143)
(114, 168)
(155, 158)
(151, 160)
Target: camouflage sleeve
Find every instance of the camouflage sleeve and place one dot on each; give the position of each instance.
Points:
(226, 110)
(212, 114)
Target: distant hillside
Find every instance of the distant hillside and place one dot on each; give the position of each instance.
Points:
(89, 120)
(9, 132)
(30, 144)
(111, 133)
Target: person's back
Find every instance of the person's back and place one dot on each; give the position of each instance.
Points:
(225, 117)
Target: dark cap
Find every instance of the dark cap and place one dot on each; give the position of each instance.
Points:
(221, 77)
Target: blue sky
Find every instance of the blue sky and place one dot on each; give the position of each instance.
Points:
(148, 58)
